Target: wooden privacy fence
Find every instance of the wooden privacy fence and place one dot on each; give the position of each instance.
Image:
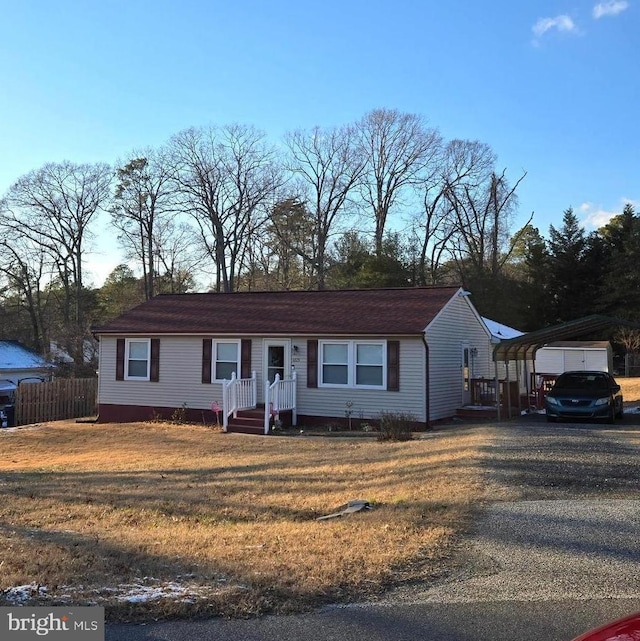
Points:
(56, 400)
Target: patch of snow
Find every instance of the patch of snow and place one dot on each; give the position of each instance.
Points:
(138, 593)
(144, 590)
(13, 355)
(533, 410)
(20, 594)
(498, 330)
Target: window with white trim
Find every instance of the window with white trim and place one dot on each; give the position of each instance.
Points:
(369, 359)
(137, 359)
(353, 364)
(226, 360)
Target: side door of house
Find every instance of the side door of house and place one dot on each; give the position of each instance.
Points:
(277, 359)
(466, 373)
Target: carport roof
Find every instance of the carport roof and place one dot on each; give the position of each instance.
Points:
(524, 347)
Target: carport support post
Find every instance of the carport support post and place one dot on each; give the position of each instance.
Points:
(497, 389)
(518, 386)
(506, 364)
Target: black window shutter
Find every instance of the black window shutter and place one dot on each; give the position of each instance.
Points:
(312, 363)
(245, 358)
(120, 359)
(206, 360)
(393, 366)
(154, 370)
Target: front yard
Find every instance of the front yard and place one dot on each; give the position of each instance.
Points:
(159, 520)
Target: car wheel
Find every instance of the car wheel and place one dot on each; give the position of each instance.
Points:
(612, 415)
(620, 414)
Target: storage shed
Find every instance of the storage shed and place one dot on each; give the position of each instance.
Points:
(565, 356)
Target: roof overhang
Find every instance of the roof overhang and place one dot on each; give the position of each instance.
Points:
(525, 347)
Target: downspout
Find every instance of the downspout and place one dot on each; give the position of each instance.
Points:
(426, 382)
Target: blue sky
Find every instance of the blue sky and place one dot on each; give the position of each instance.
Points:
(552, 86)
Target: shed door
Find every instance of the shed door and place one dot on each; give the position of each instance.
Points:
(596, 359)
(574, 360)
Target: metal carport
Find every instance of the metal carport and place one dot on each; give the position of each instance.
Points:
(523, 348)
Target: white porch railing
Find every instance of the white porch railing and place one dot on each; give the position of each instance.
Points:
(279, 396)
(238, 394)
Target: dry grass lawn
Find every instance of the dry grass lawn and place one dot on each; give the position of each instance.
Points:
(157, 520)
(630, 388)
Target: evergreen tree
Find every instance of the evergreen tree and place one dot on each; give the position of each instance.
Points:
(530, 268)
(620, 240)
(571, 288)
(356, 265)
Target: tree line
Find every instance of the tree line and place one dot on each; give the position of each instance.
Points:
(382, 202)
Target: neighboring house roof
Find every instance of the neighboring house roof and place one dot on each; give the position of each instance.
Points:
(500, 331)
(15, 356)
(59, 354)
(368, 311)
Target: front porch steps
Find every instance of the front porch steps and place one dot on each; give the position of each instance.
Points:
(252, 421)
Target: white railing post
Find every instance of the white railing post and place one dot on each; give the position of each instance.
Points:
(294, 413)
(267, 409)
(254, 389)
(276, 397)
(225, 405)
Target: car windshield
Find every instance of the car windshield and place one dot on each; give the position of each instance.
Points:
(582, 381)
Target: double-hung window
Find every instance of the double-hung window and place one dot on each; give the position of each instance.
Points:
(137, 359)
(369, 364)
(335, 364)
(226, 359)
(353, 364)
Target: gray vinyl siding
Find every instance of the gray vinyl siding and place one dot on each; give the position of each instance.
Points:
(180, 377)
(454, 326)
(181, 380)
(368, 403)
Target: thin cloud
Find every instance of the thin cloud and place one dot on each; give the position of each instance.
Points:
(595, 216)
(609, 8)
(560, 23)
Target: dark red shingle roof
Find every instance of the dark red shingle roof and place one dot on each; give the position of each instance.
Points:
(367, 311)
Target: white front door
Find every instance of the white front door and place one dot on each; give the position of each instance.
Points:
(277, 359)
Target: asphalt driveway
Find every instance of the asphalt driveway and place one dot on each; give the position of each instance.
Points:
(554, 552)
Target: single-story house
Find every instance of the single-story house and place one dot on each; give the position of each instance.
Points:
(565, 356)
(19, 363)
(324, 355)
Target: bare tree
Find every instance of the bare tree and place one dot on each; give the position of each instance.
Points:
(144, 202)
(52, 208)
(328, 166)
(176, 262)
(400, 152)
(461, 162)
(227, 178)
(629, 338)
(483, 213)
(26, 272)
